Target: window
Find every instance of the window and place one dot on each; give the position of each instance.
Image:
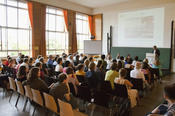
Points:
(82, 28)
(56, 35)
(15, 30)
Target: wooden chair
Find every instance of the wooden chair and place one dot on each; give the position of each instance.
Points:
(12, 86)
(50, 103)
(66, 110)
(37, 98)
(28, 94)
(20, 90)
(120, 91)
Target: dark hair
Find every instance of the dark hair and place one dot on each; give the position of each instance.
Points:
(144, 65)
(122, 72)
(21, 71)
(59, 60)
(169, 91)
(90, 59)
(20, 61)
(62, 77)
(22, 56)
(39, 56)
(119, 65)
(26, 60)
(67, 63)
(114, 61)
(114, 66)
(80, 66)
(102, 56)
(30, 60)
(41, 59)
(69, 70)
(136, 58)
(77, 57)
(38, 64)
(99, 63)
(33, 73)
(121, 58)
(92, 66)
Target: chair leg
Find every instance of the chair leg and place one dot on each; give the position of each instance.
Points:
(25, 104)
(17, 100)
(34, 111)
(11, 96)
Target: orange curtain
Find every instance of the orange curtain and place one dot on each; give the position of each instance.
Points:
(65, 18)
(37, 15)
(30, 10)
(90, 24)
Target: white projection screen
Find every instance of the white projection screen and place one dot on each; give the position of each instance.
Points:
(141, 28)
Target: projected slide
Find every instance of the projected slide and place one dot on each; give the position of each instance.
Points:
(142, 28)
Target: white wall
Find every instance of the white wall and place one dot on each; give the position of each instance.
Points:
(110, 17)
(67, 5)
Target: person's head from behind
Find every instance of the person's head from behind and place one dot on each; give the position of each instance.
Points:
(38, 65)
(62, 78)
(31, 61)
(145, 60)
(34, 73)
(77, 57)
(114, 66)
(169, 93)
(60, 61)
(86, 62)
(154, 47)
(26, 60)
(144, 65)
(114, 61)
(41, 59)
(138, 65)
(91, 59)
(92, 66)
(119, 65)
(22, 71)
(99, 63)
(50, 57)
(102, 56)
(136, 58)
(67, 63)
(39, 56)
(121, 58)
(80, 67)
(69, 71)
(122, 73)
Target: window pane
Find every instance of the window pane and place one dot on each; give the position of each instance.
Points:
(2, 2)
(51, 52)
(23, 19)
(47, 22)
(12, 2)
(60, 41)
(59, 23)
(59, 12)
(52, 22)
(78, 16)
(4, 39)
(25, 53)
(79, 26)
(23, 39)
(22, 5)
(13, 53)
(2, 15)
(51, 40)
(12, 39)
(51, 10)
(3, 54)
(12, 17)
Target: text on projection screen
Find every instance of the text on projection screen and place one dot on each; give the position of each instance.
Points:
(142, 28)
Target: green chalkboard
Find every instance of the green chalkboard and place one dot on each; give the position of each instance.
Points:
(141, 53)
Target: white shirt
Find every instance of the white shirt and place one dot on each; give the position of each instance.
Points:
(136, 73)
(109, 64)
(59, 68)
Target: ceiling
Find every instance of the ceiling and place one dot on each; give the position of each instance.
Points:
(96, 3)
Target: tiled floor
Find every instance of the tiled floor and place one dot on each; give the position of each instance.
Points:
(149, 102)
